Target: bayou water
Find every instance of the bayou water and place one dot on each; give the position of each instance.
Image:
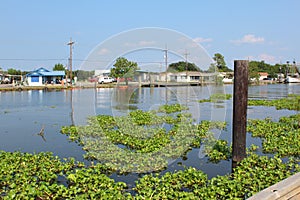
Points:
(24, 113)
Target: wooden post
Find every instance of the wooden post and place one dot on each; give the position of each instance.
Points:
(240, 101)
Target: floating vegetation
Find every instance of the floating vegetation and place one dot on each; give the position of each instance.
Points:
(44, 176)
(292, 102)
(172, 108)
(282, 138)
(177, 185)
(218, 97)
(220, 151)
(124, 141)
(252, 175)
(142, 141)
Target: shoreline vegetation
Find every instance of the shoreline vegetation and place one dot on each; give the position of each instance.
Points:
(84, 85)
(80, 85)
(47, 177)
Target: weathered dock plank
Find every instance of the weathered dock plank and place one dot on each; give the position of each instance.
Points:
(286, 189)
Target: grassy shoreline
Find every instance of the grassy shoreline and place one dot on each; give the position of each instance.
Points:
(54, 87)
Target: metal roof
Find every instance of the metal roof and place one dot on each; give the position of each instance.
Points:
(45, 72)
(53, 73)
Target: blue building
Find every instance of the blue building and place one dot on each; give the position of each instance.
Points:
(43, 76)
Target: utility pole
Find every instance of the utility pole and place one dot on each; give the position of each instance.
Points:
(166, 61)
(70, 59)
(186, 64)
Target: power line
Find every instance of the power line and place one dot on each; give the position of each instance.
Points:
(31, 59)
(67, 59)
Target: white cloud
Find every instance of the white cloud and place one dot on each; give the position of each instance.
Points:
(103, 51)
(265, 57)
(250, 39)
(202, 40)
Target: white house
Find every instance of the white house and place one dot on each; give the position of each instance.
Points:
(189, 76)
(263, 75)
(102, 72)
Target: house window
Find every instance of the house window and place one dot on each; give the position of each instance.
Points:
(195, 77)
(35, 79)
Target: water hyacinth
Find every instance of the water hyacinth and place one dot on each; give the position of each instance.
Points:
(142, 141)
(292, 102)
(44, 176)
(218, 97)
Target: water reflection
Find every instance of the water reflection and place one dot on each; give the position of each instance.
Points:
(125, 99)
(24, 113)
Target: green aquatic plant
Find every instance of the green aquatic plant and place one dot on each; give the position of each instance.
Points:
(145, 148)
(220, 151)
(292, 102)
(253, 174)
(177, 185)
(44, 176)
(282, 138)
(142, 141)
(253, 148)
(39, 176)
(72, 132)
(172, 108)
(218, 97)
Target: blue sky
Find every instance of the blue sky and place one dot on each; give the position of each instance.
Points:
(35, 33)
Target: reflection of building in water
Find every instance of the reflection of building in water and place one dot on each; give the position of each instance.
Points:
(103, 95)
(114, 101)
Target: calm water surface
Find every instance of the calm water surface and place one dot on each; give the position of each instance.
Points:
(24, 113)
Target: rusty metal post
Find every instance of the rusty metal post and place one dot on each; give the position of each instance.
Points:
(240, 101)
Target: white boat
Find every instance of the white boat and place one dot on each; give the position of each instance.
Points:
(293, 74)
(227, 80)
(293, 79)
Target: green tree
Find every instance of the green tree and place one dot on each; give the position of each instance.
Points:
(182, 66)
(212, 68)
(59, 67)
(253, 70)
(83, 75)
(220, 63)
(124, 68)
(12, 71)
(260, 66)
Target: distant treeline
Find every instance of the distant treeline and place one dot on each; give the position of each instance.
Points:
(254, 68)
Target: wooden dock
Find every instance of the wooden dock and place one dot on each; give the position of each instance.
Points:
(287, 189)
